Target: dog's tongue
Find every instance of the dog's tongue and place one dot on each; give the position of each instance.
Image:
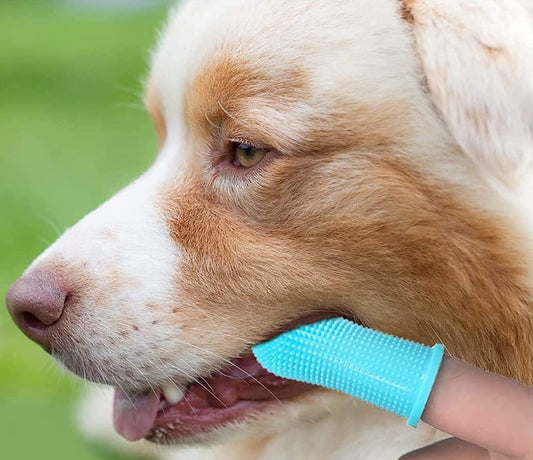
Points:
(134, 415)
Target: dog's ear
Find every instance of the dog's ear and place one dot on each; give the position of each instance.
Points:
(477, 56)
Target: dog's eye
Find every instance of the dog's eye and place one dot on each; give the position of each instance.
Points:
(246, 155)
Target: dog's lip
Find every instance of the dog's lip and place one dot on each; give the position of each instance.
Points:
(238, 392)
(222, 399)
(229, 395)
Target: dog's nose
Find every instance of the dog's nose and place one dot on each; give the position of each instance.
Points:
(35, 302)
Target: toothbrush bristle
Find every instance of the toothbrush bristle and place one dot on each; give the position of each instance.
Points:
(344, 356)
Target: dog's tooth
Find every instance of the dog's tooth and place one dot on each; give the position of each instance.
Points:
(173, 393)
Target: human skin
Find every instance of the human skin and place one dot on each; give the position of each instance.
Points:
(490, 417)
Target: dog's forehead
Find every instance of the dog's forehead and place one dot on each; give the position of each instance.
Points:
(273, 43)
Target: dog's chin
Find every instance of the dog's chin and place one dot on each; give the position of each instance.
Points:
(239, 394)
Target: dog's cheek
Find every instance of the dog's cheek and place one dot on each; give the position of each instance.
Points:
(236, 279)
(405, 252)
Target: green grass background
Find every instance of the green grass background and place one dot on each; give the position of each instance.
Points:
(72, 132)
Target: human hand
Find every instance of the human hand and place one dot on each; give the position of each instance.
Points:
(490, 416)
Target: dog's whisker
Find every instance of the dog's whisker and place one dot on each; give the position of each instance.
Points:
(224, 334)
(131, 91)
(44, 240)
(214, 125)
(210, 352)
(240, 369)
(129, 105)
(226, 111)
(51, 224)
(142, 374)
(167, 377)
(205, 385)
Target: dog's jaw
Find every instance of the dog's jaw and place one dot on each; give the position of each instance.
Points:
(239, 393)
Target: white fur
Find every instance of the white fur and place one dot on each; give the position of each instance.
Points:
(478, 60)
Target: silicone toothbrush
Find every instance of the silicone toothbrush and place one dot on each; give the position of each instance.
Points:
(392, 373)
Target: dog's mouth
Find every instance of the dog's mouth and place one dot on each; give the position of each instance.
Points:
(232, 395)
(240, 391)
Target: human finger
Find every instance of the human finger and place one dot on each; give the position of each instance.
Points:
(482, 408)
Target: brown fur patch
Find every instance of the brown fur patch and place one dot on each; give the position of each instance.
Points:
(230, 87)
(401, 254)
(406, 10)
(231, 99)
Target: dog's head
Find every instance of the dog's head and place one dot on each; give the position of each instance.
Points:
(315, 160)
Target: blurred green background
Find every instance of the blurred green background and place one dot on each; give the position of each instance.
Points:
(72, 132)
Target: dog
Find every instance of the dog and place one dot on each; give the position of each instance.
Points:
(365, 159)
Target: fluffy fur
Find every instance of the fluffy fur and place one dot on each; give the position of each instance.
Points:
(398, 189)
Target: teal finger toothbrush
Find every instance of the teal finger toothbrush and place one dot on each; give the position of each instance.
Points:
(392, 373)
